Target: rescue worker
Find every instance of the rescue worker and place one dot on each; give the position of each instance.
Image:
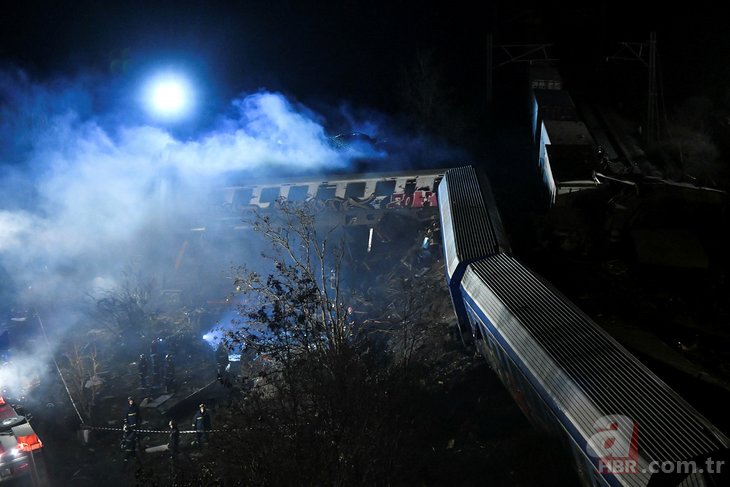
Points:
(129, 445)
(156, 361)
(173, 446)
(133, 417)
(350, 321)
(201, 423)
(169, 373)
(221, 360)
(142, 368)
(154, 347)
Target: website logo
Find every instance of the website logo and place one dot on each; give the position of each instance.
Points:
(615, 445)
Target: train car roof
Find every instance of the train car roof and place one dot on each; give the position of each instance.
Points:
(584, 371)
(555, 98)
(470, 226)
(567, 132)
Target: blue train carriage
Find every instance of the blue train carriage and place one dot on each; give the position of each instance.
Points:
(623, 425)
(470, 227)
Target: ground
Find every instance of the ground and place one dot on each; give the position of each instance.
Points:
(473, 430)
(669, 318)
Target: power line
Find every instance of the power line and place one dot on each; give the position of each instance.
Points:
(86, 426)
(65, 385)
(638, 51)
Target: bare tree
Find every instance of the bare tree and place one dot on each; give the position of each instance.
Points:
(422, 86)
(83, 368)
(300, 309)
(333, 410)
(123, 307)
(431, 103)
(690, 154)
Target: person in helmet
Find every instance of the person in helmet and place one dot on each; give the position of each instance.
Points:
(133, 417)
(222, 361)
(173, 446)
(142, 369)
(157, 360)
(201, 423)
(129, 446)
(169, 373)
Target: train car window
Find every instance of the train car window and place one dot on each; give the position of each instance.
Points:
(242, 197)
(298, 193)
(410, 187)
(384, 188)
(325, 193)
(269, 195)
(355, 190)
(496, 357)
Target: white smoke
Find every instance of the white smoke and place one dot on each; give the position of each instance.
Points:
(84, 194)
(80, 198)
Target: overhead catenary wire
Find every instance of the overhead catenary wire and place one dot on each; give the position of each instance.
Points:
(83, 423)
(104, 428)
(58, 369)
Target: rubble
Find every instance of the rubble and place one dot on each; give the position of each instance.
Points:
(147, 403)
(401, 257)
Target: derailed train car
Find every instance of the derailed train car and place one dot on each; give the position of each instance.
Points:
(623, 425)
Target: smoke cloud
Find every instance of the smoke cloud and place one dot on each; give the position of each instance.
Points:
(89, 186)
(81, 198)
(95, 198)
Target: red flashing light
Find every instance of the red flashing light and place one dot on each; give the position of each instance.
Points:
(29, 443)
(2, 400)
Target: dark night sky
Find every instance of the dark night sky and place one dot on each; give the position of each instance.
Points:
(342, 50)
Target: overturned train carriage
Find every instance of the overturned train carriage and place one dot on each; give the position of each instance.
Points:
(470, 228)
(623, 425)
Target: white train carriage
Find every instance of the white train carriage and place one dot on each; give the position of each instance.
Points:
(571, 377)
(471, 228)
(622, 423)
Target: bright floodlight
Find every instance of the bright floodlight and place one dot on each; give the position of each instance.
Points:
(169, 96)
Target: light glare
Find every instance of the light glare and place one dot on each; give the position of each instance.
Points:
(169, 96)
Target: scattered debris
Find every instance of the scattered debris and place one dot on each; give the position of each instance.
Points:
(157, 402)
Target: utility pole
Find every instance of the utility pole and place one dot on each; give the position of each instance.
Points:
(490, 62)
(635, 51)
(525, 53)
(514, 53)
(652, 118)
